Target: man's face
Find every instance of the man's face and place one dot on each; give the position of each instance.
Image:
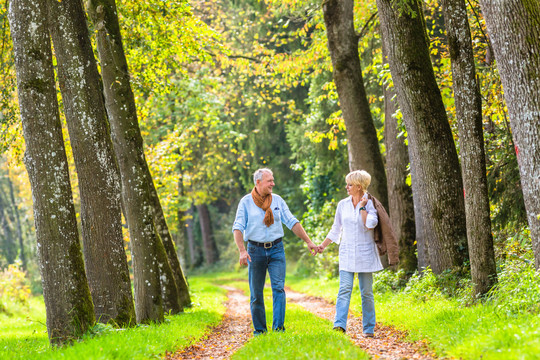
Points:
(265, 185)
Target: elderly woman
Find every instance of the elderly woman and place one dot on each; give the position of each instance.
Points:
(355, 219)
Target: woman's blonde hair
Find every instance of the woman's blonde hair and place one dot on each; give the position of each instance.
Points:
(360, 178)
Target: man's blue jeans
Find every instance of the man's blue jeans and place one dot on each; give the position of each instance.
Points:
(273, 260)
(365, 281)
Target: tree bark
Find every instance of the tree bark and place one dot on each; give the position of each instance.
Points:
(169, 290)
(468, 102)
(17, 216)
(65, 289)
(433, 152)
(181, 240)
(209, 244)
(142, 203)
(99, 183)
(168, 243)
(362, 142)
(421, 233)
(191, 237)
(9, 247)
(514, 29)
(401, 205)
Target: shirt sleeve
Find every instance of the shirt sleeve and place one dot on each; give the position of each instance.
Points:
(287, 217)
(372, 218)
(335, 231)
(241, 217)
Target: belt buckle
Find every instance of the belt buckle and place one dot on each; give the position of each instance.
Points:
(269, 245)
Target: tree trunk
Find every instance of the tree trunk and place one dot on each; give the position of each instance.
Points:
(181, 240)
(191, 237)
(362, 142)
(138, 188)
(209, 244)
(514, 28)
(168, 243)
(169, 291)
(99, 185)
(468, 102)
(433, 152)
(401, 205)
(421, 234)
(17, 216)
(65, 289)
(9, 247)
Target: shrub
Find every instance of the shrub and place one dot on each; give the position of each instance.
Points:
(13, 288)
(388, 280)
(423, 286)
(518, 289)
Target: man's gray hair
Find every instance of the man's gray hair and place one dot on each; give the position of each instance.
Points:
(258, 175)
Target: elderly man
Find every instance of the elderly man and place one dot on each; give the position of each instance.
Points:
(259, 220)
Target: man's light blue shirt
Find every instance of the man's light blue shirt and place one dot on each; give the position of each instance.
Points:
(249, 219)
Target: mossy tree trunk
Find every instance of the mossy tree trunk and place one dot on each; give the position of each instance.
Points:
(422, 233)
(144, 214)
(168, 244)
(514, 29)
(468, 102)
(432, 149)
(65, 289)
(400, 197)
(99, 183)
(362, 142)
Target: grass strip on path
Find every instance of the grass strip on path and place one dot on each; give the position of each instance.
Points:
(306, 337)
(21, 339)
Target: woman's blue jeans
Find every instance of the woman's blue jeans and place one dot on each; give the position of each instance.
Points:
(365, 281)
(273, 260)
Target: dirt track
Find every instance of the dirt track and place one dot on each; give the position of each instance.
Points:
(235, 330)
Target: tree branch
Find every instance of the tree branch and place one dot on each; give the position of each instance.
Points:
(361, 34)
(236, 57)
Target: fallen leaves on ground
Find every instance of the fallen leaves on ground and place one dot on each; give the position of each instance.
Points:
(230, 335)
(389, 343)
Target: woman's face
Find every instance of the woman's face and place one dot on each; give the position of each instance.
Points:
(353, 190)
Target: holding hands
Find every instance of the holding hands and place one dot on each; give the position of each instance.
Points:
(313, 249)
(323, 245)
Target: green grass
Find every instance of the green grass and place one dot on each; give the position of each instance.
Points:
(480, 331)
(24, 331)
(307, 337)
(27, 339)
(453, 330)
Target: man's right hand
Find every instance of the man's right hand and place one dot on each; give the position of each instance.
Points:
(244, 258)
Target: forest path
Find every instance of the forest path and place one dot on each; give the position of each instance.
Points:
(235, 330)
(227, 337)
(388, 342)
